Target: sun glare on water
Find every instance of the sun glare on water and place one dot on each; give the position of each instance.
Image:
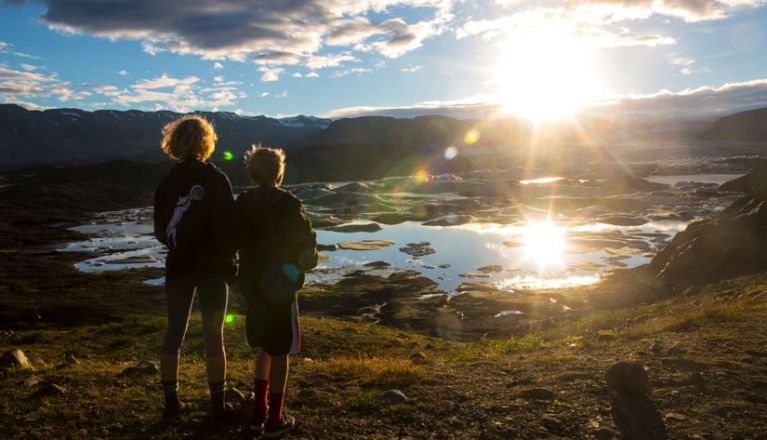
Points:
(546, 73)
(544, 244)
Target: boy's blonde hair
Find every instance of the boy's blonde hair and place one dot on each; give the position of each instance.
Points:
(189, 137)
(266, 166)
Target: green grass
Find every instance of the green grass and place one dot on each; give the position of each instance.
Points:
(377, 371)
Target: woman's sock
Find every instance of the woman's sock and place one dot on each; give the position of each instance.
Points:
(260, 405)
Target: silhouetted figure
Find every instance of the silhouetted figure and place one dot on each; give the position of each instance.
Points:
(277, 245)
(192, 210)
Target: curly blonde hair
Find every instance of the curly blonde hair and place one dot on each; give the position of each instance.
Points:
(189, 137)
(266, 166)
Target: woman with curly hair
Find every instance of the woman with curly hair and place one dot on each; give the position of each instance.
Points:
(192, 206)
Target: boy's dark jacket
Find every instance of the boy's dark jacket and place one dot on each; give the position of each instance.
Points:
(272, 228)
(203, 241)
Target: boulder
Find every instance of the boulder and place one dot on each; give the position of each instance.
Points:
(14, 358)
(628, 378)
(732, 244)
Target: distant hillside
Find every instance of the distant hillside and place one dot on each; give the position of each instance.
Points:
(744, 126)
(74, 137)
(62, 136)
(441, 131)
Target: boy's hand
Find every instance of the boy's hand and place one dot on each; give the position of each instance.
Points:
(307, 260)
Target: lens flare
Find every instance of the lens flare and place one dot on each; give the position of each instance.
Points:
(228, 155)
(451, 153)
(229, 318)
(472, 136)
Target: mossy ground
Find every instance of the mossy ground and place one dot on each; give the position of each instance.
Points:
(706, 354)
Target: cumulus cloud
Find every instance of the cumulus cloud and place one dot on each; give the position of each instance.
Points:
(168, 92)
(218, 66)
(324, 61)
(688, 10)
(25, 84)
(241, 30)
(269, 74)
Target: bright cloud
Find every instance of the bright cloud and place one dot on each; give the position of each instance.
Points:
(269, 74)
(688, 10)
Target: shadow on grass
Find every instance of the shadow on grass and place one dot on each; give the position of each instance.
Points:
(637, 418)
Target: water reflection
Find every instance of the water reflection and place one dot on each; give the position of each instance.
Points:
(539, 254)
(544, 244)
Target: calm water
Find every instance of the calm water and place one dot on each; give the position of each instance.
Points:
(527, 257)
(535, 255)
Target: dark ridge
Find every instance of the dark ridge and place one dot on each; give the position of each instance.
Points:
(750, 125)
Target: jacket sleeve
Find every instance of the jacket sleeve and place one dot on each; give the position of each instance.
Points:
(161, 212)
(303, 240)
(224, 224)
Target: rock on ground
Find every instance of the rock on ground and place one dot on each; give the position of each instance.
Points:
(14, 358)
(628, 377)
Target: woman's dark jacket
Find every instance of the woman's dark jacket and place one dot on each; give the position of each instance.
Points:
(193, 215)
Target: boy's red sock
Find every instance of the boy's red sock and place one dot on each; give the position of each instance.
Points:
(275, 408)
(260, 405)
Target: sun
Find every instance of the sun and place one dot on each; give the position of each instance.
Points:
(546, 73)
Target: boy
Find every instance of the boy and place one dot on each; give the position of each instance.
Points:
(277, 245)
(192, 206)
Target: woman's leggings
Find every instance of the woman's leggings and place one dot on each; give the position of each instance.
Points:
(212, 292)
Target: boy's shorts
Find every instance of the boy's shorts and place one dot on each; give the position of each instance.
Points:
(271, 327)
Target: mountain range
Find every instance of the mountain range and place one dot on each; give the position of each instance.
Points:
(72, 136)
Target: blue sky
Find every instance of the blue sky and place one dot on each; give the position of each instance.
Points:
(341, 57)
